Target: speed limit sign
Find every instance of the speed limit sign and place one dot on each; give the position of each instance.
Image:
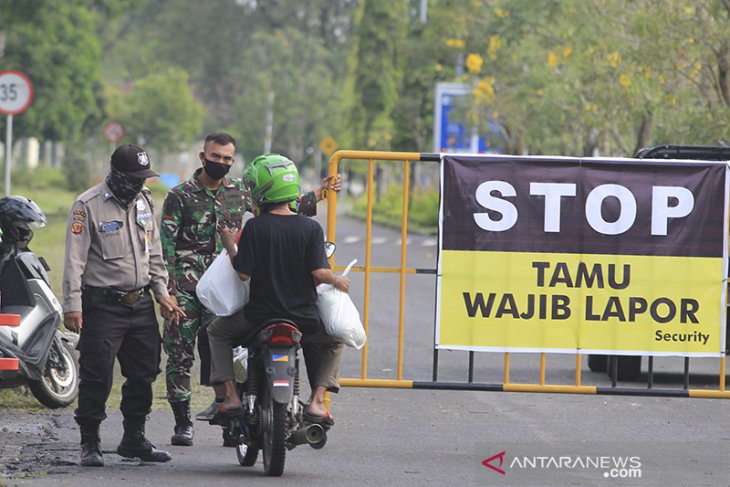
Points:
(16, 92)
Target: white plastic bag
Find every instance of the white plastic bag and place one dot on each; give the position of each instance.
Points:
(340, 316)
(220, 289)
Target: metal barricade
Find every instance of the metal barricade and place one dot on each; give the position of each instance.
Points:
(576, 387)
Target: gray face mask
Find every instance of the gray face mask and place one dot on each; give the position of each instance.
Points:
(124, 187)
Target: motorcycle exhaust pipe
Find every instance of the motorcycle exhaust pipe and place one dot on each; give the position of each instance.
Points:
(311, 434)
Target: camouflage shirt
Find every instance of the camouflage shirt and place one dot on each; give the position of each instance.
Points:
(192, 218)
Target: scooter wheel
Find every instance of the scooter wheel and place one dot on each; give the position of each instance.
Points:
(320, 444)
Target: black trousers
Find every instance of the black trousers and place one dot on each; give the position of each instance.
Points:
(113, 330)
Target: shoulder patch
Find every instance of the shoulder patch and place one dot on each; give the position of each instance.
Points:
(77, 227)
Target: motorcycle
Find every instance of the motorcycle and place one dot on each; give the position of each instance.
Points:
(47, 359)
(273, 413)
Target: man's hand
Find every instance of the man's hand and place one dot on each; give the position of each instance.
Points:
(342, 283)
(171, 311)
(228, 238)
(326, 276)
(73, 321)
(333, 183)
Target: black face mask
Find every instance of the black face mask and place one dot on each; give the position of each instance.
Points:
(125, 188)
(215, 170)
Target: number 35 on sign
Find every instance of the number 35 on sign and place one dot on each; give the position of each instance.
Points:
(16, 92)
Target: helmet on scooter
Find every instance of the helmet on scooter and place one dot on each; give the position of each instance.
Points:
(18, 217)
(272, 178)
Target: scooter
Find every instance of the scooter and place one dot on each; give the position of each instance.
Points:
(48, 364)
(273, 413)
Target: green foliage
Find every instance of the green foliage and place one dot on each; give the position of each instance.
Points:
(78, 174)
(377, 72)
(566, 77)
(287, 76)
(54, 43)
(160, 110)
(574, 77)
(427, 60)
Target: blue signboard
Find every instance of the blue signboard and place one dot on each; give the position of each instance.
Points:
(452, 133)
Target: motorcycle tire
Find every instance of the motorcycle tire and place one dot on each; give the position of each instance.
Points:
(59, 386)
(247, 455)
(274, 437)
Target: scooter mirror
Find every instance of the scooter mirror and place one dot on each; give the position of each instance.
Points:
(329, 249)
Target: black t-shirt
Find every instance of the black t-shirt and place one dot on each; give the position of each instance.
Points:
(280, 252)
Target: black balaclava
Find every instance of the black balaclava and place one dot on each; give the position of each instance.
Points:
(215, 170)
(125, 188)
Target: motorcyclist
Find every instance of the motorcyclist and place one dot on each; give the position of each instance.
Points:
(281, 253)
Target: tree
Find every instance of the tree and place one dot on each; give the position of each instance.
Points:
(428, 57)
(376, 72)
(578, 77)
(159, 110)
(54, 43)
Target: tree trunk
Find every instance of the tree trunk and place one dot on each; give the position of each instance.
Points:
(723, 70)
(643, 135)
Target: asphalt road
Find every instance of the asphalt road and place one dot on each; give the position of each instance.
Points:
(423, 437)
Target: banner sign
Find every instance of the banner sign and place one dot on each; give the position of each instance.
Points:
(612, 256)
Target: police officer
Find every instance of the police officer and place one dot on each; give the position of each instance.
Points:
(113, 262)
(194, 215)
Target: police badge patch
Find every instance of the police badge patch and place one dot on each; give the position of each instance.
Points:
(142, 159)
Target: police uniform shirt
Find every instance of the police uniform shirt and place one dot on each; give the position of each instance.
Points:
(111, 246)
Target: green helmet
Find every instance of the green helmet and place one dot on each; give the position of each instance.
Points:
(249, 176)
(272, 178)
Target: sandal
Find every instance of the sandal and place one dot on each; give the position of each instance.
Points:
(223, 417)
(325, 419)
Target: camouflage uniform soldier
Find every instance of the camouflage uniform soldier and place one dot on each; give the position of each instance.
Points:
(193, 216)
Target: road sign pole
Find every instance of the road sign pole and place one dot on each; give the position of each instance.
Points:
(8, 145)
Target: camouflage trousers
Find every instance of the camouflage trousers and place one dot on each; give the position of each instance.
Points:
(179, 344)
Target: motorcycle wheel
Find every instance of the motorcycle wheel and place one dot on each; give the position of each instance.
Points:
(274, 429)
(247, 455)
(59, 385)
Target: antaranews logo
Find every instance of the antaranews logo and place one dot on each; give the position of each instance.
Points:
(499, 456)
(616, 467)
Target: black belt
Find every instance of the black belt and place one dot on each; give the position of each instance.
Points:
(119, 295)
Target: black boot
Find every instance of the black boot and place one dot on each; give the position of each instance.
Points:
(90, 450)
(135, 445)
(228, 440)
(183, 425)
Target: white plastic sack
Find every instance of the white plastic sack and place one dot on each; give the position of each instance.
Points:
(340, 316)
(220, 289)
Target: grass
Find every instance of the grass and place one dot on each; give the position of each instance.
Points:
(47, 187)
(388, 210)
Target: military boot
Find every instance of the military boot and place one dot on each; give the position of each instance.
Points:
(135, 445)
(90, 450)
(183, 425)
